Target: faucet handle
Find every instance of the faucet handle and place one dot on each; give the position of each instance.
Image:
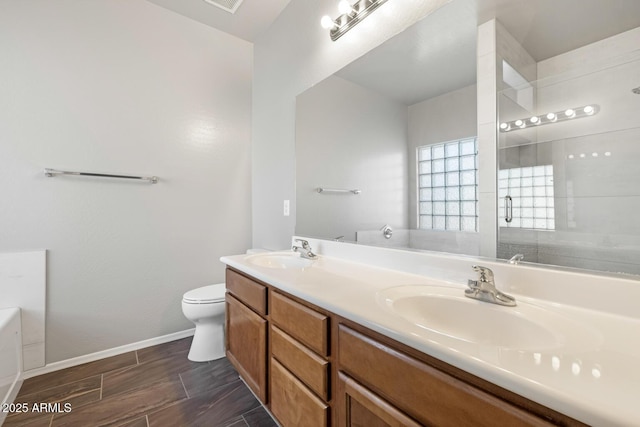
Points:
(486, 274)
(305, 244)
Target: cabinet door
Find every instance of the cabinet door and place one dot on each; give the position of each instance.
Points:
(358, 406)
(246, 343)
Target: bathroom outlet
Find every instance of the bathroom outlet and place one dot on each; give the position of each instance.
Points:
(286, 208)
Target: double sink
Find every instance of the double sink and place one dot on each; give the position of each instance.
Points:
(445, 313)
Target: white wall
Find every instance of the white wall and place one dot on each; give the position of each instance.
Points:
(295, 53)
(121, 86)
(349, 137)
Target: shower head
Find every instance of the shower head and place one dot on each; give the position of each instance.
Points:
(636, 90)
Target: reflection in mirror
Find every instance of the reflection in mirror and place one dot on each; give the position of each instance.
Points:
(373, 126)
(573, 182)
(397, 124)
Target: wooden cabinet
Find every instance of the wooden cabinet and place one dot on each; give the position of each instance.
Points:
(314, 368)
(408, 389)
(246, 339)
(251, 293)
(300, 374)
(359, 406)
(310, 368)
(292, 403)
(305, 324)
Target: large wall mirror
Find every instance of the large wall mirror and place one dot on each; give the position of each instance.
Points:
(387, 149)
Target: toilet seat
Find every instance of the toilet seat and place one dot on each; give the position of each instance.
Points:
(205, 295)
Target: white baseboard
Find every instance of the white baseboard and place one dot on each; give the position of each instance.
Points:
(75, 361)
(10, 397)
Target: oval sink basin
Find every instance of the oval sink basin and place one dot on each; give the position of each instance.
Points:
(447, 312)
(279, 260)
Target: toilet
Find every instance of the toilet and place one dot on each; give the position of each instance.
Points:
(205, 308)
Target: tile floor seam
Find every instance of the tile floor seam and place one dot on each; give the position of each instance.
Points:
(101, 384)
(146, 417)
(137, 359)
(236, 383)
(184, 387)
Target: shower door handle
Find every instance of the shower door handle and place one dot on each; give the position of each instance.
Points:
(508, 209)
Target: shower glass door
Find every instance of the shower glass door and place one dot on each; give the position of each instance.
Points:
(569, 166)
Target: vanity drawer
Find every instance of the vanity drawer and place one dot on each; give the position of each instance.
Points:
(301, 322)
(302, 362)
(421, 391)
(291, 401)
(251, 293)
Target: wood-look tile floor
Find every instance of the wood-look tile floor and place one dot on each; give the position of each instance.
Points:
(152, 387)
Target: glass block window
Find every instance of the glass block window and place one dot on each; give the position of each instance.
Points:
(531, 191)
(447, 186)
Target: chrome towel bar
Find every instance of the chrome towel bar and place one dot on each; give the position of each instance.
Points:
(54, 172)
(336, 190)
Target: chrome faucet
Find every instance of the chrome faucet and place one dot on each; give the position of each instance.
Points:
(516, 259)
(484, 289)
(304, 249)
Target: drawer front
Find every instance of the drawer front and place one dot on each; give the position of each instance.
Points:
(246, 290)
(310, 368)
(430, 396)
(302, 323)
(292, 403)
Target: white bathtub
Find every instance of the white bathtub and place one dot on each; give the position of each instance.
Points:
(10, 356)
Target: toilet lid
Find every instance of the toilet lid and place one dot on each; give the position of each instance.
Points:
(205, 294)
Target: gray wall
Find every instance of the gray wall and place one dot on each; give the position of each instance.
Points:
(348, 137)
(443, 118)
(122, 87)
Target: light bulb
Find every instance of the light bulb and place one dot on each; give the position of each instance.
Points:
(504, 126)
(327, 23)
(344, 7)
(571, 156)
(520, 123)
(594, 154)
(552, 117)
(576, 368)
(569, 113)
(588, 110)
(535, 120)
(582, 155)
(607, 153)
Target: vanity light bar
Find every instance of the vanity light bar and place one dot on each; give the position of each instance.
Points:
(545, 119)
(352, 14)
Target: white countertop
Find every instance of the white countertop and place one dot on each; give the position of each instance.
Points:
(596, 381)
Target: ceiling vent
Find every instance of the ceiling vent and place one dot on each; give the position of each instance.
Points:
(229, 5)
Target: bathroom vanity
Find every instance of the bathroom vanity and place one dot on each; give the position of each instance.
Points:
(320, 343)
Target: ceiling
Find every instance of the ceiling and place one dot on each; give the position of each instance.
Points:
(438, 54)
(251, 18)
(546, 28)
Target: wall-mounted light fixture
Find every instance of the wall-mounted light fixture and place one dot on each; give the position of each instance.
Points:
(545, 119)
(351, 14)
